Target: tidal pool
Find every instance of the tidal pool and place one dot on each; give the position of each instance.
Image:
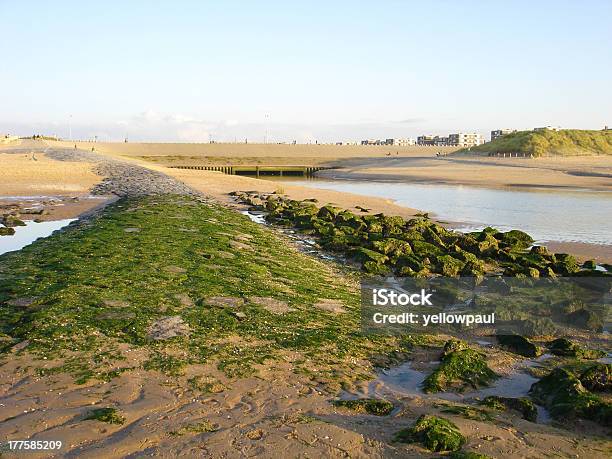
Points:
(25, 235)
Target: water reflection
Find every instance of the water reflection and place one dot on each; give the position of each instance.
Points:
(25, 235)
(548, 215)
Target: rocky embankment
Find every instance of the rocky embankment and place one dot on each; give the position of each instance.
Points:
(418, 247)
(122, 178)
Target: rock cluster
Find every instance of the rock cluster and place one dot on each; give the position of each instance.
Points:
(418, 247)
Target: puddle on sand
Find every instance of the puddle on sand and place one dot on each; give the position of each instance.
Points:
(25, 235)
(403, 380)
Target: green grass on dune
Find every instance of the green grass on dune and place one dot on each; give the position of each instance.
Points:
(94, 286)
(566, 142)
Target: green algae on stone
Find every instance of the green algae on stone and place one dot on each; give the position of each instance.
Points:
(518, 344)
(467, 455)
(377, 407)
(434, 433)
(108, 415)
(597, 377)
(566, 348)
(566, 398)
(460, 366)
(523, 405)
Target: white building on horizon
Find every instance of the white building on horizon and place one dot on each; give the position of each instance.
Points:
(463, 139)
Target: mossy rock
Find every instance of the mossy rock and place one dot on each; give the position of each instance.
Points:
(565, 264)
(328, 213)
(453, 345)
(585, 319)
(467, 455)
(434, 433)
(374, 268)
(392, 247)
(425, 249)
(411, 235)
(589, 264)
(515, 239)
(376, 407)
(363, 255)
(597, 378)
(566, 398)
(566, 348)
(459, 367)
(108, 415)
(5, 231)
(518, 344)
(449, 266)
(538, 326)
(523, 405)
(411, 261)
(11, 221)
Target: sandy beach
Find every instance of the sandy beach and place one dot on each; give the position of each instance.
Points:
(588, 173)
(45, 176)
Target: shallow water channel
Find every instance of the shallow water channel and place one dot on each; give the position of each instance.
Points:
(548, 215)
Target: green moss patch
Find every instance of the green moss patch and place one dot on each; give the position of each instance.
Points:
(373, 406)
(459, 368)
(434, 433)
(108, 415)
(180, 290)
(566, 398)
(523, 405)
(567, 348)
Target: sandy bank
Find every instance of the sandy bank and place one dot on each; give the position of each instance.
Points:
(28, 174)
(218, 186)
(593, 173)
(252, 150)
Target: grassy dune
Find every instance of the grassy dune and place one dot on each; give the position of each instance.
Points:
(567, 142)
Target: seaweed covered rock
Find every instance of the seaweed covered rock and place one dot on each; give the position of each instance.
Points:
(434, 433)
(518, 344)
(585, 319)
(565, 264)
(392, 247)
(328, 213)
(449, 266)
(523, 405)
(597, 378)
(566, 348)
(589, 264)
(515, 239)
(11, 221)
(566, 398)
(459, 367)
(467, 455)
(5, 231)
(377, 407)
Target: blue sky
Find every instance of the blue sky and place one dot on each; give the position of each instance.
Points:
(311, 70)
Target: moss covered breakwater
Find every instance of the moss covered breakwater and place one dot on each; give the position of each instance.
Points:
(418, 247)
(186, 282)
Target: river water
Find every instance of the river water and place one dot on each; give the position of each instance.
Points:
(548, 215)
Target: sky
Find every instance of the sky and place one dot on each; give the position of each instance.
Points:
(195, 71)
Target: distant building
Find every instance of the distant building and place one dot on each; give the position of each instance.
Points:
(400, 142)
(547, 128)
(426, 140)
(373, 142)
(500, 133)
(465, 139)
